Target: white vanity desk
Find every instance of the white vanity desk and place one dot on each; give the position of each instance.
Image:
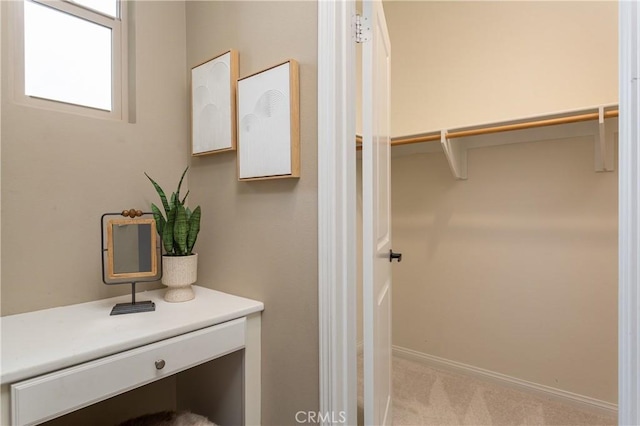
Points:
(59, 360)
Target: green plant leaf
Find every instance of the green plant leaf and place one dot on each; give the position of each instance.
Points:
(160, 192)
(194, 228)
(181, 230)
(185, 197)
(160, 220)
(167, 235)
(180, 184)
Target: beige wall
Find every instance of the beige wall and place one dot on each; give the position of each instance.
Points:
(460, 63)
(514, 270)
(60, 171)
(259, 238)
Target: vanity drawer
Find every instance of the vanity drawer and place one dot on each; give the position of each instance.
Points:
(45, 397)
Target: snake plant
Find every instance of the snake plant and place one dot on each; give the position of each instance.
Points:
(179, 229)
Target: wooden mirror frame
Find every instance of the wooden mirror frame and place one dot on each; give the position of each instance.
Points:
(133, 276)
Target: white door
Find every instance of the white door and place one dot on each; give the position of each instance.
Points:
(376, 216)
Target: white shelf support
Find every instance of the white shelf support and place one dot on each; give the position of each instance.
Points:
(456, 155)
(603, 145)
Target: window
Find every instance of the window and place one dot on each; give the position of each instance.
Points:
(72, 56)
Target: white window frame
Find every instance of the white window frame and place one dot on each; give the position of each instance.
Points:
(119, 71)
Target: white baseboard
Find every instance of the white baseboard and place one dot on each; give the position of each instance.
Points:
(560, 395)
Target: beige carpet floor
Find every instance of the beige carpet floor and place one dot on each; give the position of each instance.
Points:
(426, 396)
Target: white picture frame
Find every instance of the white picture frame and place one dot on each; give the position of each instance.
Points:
(213, 105)
(268, 123)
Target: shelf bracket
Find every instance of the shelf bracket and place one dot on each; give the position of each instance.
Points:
(456, 156)
(603, 145)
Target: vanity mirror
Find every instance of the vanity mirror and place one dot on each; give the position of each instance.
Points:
(131, 245)
(130, 254)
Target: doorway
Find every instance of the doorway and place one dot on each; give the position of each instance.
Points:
(346, 361)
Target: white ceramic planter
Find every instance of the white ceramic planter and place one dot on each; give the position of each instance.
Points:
(178, 273)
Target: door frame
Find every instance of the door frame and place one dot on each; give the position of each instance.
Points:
(336, 213)
(629, 215)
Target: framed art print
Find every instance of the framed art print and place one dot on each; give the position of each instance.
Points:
(268, 124)
(213, 104)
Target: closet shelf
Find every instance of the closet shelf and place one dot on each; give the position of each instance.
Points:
(497, 128)
(456, 152)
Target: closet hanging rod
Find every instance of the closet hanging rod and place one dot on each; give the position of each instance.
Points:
(435, 136)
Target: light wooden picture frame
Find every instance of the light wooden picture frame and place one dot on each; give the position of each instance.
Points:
(213, 104)
(269, 123)
(131, 244)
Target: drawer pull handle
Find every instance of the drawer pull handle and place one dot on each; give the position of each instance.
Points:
(160, 364)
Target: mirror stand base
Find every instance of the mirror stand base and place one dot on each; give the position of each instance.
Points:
(132, 308)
